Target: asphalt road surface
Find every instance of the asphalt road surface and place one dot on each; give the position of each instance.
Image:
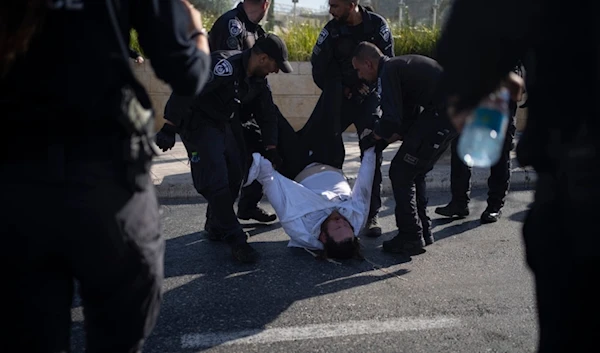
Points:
(470, 292)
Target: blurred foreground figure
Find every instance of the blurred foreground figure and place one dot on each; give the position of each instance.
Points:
(80, 204)
(480, 44)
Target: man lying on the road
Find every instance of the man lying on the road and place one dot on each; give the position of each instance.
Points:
(318, 209)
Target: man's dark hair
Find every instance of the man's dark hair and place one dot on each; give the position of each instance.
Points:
(367, 50)
(255, 2)
(349, 249)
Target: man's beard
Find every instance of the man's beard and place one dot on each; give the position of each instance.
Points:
(343, 19)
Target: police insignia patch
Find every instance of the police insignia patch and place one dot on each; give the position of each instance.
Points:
(385, 33)
(322, 36)
(232, 42)
(223, 68)
(235, 27)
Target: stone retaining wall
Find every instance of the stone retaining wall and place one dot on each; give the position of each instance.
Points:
(295, 94)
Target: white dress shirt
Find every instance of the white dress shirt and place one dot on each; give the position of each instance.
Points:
(303, 206)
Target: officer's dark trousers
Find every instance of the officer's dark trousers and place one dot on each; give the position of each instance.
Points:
(217, 168)
(422, 146)
(70, 215)
(287, 147)
(562, 243)
(498, 182)
(329, 149)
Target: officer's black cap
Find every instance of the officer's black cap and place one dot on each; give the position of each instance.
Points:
(275, 48)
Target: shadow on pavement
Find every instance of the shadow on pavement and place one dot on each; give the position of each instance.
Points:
(215, 294)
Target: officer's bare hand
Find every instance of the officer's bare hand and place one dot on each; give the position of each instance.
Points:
(195, 16)
(197, 26)
(139, 60)
(364, 90)
(515, 85)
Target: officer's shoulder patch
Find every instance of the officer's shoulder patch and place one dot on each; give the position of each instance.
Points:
(232, 43)
(385, 33)
(223, 68)
(235, 27)
(322, 36)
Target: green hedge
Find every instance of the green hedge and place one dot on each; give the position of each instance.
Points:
(300, 39)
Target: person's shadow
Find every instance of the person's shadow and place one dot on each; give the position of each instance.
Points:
(212, 294)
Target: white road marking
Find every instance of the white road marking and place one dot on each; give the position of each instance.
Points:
(295, 333)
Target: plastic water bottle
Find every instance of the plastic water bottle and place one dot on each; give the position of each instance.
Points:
(481, 142)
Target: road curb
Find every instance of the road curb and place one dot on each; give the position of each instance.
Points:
(437, 180)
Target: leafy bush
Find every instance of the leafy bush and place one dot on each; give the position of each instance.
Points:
(301, 37)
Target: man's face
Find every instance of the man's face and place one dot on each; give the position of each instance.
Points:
(340, 9)
(365, 70)
(265, 8)
(266, 65)
(338, 228)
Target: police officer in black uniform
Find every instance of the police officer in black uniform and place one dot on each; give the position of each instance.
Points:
(213, 137)
(413, 111)
(82, 204)
(346, 99)
(498, 181)
(238, 29)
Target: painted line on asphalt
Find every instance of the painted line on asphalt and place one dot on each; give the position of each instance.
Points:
(296, 333)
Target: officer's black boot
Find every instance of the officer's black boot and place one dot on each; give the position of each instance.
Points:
(372, 228)
(491, 214)
(248, 204)
(453, 209)
(256, 213)
(404, 244)
(240, 249)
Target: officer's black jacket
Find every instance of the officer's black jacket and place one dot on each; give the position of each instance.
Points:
(331, 58)
(478, 48)
(73, 72)
(234, 31)
(406, 84)
(229, 89)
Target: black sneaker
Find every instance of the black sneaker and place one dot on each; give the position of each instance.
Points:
(397, 245)
(491, 215)
(453, 209)
(372, 228)
(244, 253)
(257, 214)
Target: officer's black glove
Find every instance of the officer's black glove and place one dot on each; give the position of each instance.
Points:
(273, 156)
(165, 138)
(367, 140)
